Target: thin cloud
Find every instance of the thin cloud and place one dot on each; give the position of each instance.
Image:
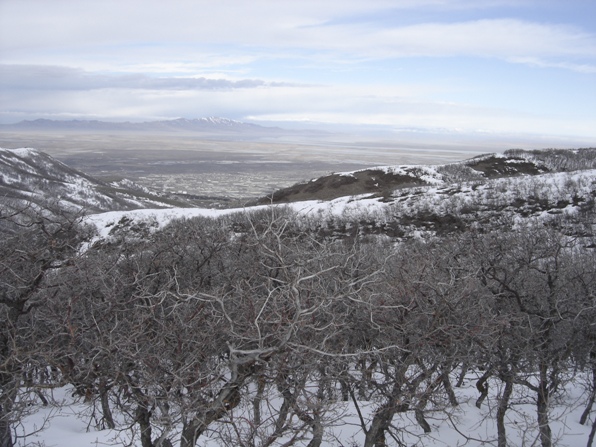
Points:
(497, 38)
(260, 29)
(35, 77)
(536, 62)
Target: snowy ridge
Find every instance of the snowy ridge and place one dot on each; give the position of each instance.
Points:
(384, 180)
(428, 174)
(27, 175)
(422, 211)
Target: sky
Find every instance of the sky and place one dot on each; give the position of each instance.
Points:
(470, 66)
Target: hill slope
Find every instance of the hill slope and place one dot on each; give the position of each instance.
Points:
(382, 181)
(423, 202)
(30, 176)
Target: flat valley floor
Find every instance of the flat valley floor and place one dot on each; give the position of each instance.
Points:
(226, 167)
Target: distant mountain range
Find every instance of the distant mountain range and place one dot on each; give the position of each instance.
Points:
(204, 125)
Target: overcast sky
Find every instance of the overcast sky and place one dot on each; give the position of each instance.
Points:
(496, 66)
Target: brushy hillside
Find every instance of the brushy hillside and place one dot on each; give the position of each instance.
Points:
(564, 199)
(427, 211)
(428, 201)
(384, 180)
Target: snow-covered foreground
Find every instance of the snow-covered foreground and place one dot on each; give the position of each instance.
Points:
(68, 422)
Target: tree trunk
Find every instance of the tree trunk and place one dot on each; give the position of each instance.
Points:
(586, 413)
(592, 433)
(190, 433)
(375, 437)
(482, 387)
(345, 390)
(448, 388)
(542, 402)
(419, 415)
(228, 398)
(6, 396)
(502, 409)
(105, 405)
(7, 399)
(258, 399)
(5, 431)
(144, 421)
(462, 375)
(317, 431)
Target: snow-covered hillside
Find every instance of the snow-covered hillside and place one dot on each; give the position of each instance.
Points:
(384, 180)
(422, 211)
(28, 176)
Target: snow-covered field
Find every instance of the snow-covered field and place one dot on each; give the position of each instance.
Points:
(68, 422)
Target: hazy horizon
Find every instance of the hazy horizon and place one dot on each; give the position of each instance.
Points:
(523, 68)
(369, 138)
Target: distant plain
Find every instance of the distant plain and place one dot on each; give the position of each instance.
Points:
(228, 166)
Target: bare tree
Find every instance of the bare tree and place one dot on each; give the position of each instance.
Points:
(534, 278)
(179, 328)
(34, 243)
